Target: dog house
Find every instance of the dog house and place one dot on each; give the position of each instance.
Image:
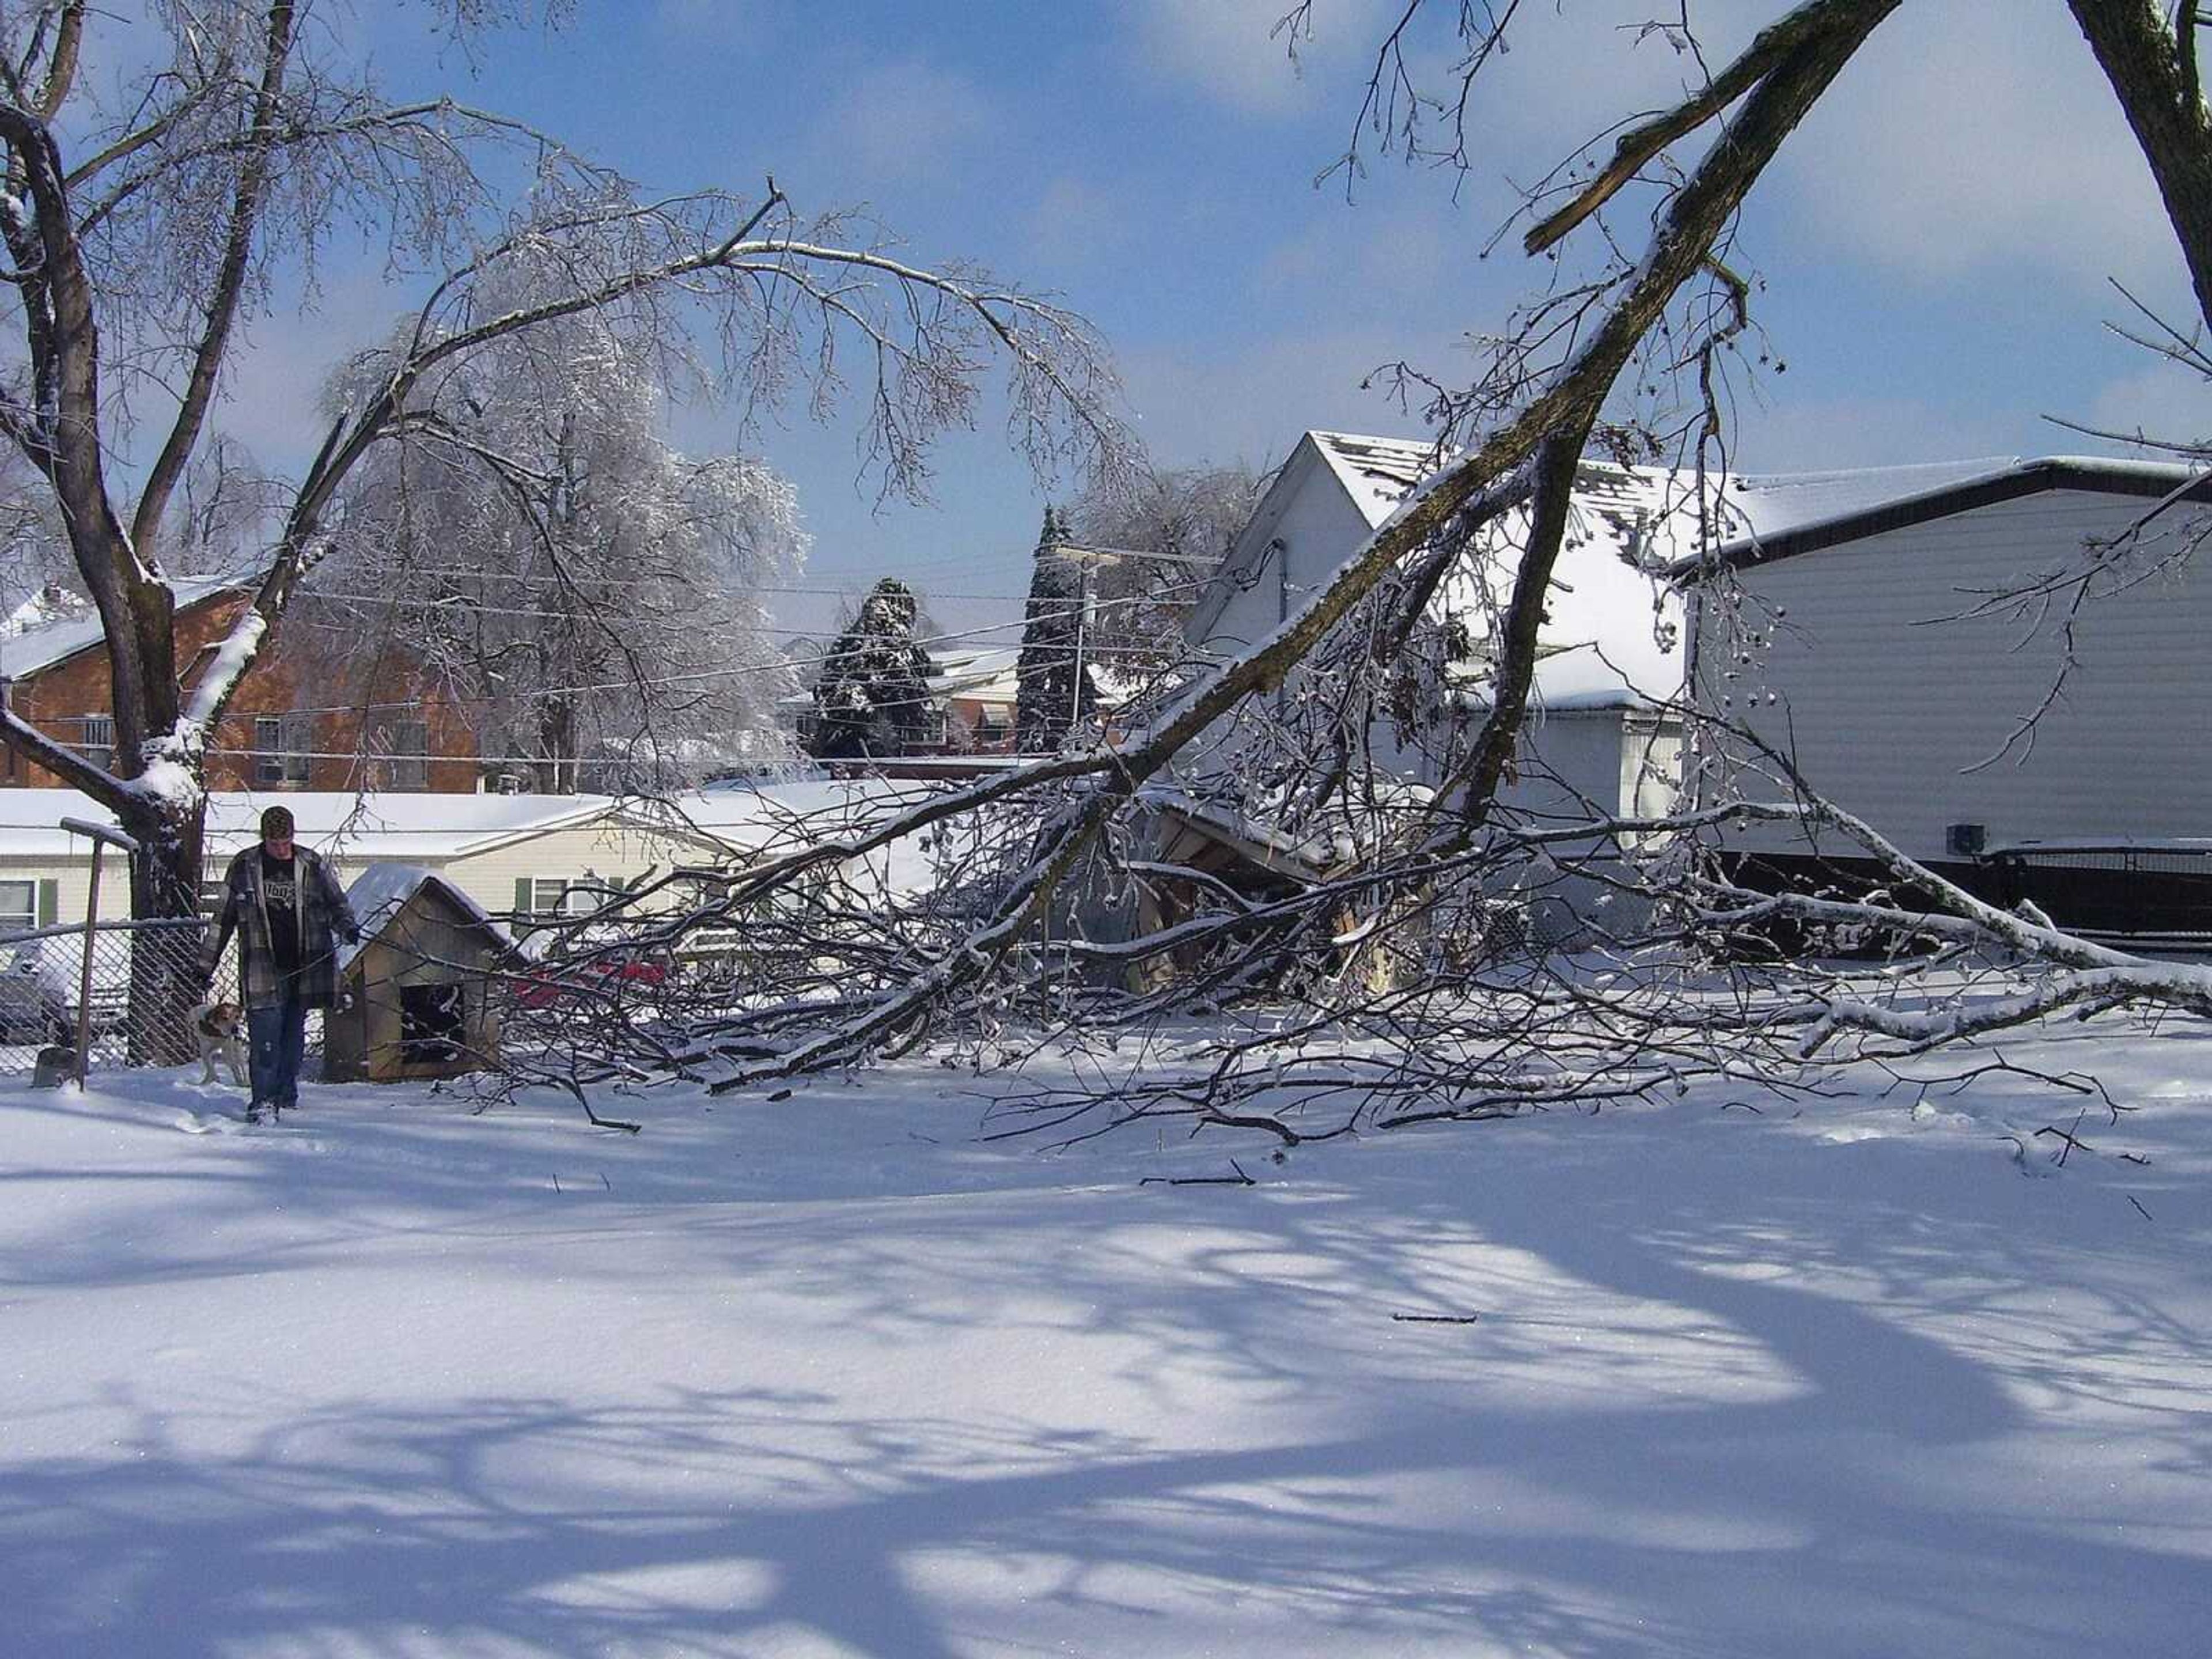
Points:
(416, 992)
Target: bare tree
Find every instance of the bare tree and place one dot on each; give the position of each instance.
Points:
(142, 229)
(1162, 534)
(1397, 981)
(588, 593)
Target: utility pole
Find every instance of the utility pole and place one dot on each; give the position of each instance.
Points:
(1081, 616)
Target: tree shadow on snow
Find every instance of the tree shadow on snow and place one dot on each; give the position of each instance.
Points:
(1737, 1429)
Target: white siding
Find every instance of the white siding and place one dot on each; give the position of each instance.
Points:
(1888, 696)
(1651, 767)
(73, 880)
(1320, 528)
(1567, 756)
(611, 852)
(1571, 764)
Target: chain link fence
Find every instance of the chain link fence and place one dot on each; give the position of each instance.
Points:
(2151, 894)
(42, 987)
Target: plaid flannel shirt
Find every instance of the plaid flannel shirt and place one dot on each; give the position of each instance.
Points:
(323, 914)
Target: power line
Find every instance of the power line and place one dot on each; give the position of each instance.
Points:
(463, 604)
(737, 670)
(655, 582)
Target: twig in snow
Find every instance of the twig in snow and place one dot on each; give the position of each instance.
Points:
(1240, 1179)
(1436, 1318)
(2069, 1137)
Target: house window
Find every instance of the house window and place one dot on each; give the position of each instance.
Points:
(98, 743)
(19, 905)
(929, 730)
(281, 749)
(406, 748)
(560, 895)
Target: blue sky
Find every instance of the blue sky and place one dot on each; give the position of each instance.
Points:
(1935, 243)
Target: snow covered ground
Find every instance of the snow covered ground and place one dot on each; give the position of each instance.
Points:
(829, 1376)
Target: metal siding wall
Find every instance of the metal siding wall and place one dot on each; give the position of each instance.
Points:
(1886, 703)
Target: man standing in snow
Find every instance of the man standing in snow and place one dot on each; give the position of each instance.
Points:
(285, 905)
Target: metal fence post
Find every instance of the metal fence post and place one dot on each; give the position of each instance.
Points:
(101, 837)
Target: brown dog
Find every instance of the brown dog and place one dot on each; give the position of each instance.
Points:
(218, 1027)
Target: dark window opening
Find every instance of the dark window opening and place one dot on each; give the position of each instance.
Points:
(433, 1023)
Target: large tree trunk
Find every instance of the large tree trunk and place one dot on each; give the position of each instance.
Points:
(556, 740)
(2151, 66)
(165, 886)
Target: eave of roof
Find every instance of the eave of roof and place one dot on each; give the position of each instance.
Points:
(38, 650)
(2098, 475)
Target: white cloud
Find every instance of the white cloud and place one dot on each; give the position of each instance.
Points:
(1976, 136)
(272, 384)
(902, 120)
(1409, 252)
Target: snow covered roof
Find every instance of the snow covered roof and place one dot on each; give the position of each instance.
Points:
(1606, 643)
(1774, 503)
(763, 820)
(752, 818)
(411, 827)
(1376, 472)
(1800, 512)
(988, 676)
(379, 892)
(41, 632)
(1319, 846)
(404, 827)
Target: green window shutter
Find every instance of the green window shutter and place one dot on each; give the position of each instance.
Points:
(522, 895)
(50, 902)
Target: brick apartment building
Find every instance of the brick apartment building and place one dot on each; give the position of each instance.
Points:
(322, 708)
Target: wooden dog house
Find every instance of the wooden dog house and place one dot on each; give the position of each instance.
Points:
(417, 991)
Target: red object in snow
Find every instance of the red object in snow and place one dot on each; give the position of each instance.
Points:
(590, 978)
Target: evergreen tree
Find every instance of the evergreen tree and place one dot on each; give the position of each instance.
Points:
(872, 696)
(1053, 688)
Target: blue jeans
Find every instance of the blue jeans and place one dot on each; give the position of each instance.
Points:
(277, 1039)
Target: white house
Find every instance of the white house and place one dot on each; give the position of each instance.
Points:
(510, 854)
(1909, 647)
(1599, 736)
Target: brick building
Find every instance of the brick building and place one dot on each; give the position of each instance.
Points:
(322, 709)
